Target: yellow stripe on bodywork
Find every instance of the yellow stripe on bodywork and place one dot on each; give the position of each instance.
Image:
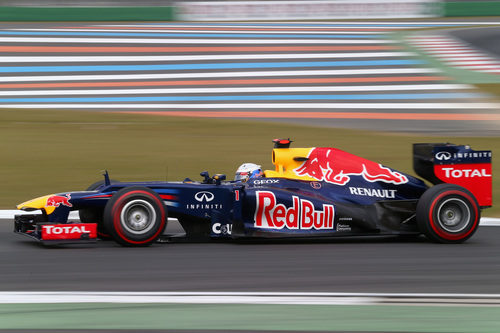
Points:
(37, 203)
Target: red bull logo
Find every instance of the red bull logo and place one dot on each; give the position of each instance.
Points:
(336, 167)
(301, 216)
(57, 200)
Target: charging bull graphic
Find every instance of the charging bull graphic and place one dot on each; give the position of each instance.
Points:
(336, 166)
(57, 200)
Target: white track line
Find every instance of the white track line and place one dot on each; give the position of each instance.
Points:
(174, 41)
(32, 298)
(490, 222)
(204, 57)
(234, 106)
(249, 26)
(213, 31)
(296, 298)
(274, 74)
(409, 87)
(465, 58)
(480, 63)
(452, 51)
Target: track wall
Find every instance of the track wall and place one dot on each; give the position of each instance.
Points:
(166, 10)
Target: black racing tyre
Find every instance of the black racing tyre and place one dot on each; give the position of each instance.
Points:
(448, 213)
(135, 216)
(95, 214)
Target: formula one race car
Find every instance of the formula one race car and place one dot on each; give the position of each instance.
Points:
(312, 192)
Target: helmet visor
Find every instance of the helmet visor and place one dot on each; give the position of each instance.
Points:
(241, 176)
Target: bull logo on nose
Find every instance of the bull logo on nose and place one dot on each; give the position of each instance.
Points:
(57, 200)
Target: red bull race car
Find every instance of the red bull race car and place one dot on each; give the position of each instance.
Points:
(312, 192)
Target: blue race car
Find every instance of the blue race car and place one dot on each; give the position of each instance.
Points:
(312, 192)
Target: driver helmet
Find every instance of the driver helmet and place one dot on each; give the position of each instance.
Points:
(247, 171)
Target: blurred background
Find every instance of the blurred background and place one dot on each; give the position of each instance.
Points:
(162, 90)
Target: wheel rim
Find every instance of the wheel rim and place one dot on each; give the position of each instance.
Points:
(138, 216)
(453, 215)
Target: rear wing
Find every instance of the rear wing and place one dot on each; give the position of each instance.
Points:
(456, 164)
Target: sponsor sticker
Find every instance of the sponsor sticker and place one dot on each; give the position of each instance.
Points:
(466, 173)
(204, 196)
(343, 227)
(301, 216)
(454, 155)
(335, 166)
(222, 229)
(316, 185)
(266, 181)
(57, 200)
(443, 156)
(372, 192)
(69, 231)
(203, 206)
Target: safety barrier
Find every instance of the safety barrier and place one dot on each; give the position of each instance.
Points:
(164, 10)
(471, 8)
(161, 13)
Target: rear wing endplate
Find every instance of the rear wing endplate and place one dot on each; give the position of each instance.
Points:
(456, 164)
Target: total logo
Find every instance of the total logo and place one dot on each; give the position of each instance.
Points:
(465, 173)
(204, 196)
(301, 216)
(57, 230)
(443, 156)
(69, 231)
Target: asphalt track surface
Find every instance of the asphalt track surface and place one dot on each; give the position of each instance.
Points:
(385, 265)
(487, 39)
(336, 74)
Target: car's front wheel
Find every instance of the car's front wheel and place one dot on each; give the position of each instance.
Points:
(448, 213)
(135, 216)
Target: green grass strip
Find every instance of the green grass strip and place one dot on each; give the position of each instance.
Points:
(44, 152)
(369, 318)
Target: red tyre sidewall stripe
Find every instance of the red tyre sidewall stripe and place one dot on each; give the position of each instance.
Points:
(117, 212)
(443, 233)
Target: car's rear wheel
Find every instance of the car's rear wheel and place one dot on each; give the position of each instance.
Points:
(135, 216)
(448, 213)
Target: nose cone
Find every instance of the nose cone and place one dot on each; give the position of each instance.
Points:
(37, 203)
